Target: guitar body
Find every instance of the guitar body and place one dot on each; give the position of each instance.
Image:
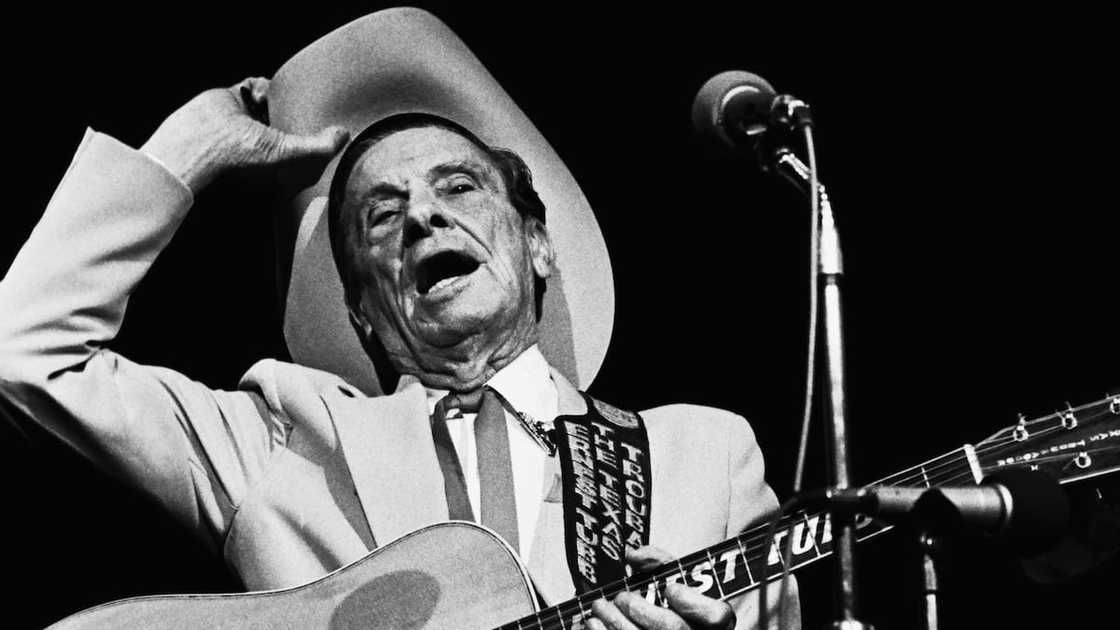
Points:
(447, 576)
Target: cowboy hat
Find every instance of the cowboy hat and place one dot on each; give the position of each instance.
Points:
(406, 60)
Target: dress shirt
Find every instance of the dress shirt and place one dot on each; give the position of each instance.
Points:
(527, 385)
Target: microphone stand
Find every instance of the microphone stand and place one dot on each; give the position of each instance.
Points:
(783, 161)
(930, 546)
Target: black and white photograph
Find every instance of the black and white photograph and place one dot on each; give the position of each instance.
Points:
(560, 315)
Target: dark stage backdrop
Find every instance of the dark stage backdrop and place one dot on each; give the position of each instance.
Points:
(967, 153)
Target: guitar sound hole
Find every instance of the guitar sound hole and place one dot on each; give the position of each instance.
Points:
(401, 599)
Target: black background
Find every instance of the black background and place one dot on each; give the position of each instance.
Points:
(967, 153)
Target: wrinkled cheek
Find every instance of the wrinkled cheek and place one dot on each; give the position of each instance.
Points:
(392, 324)
(381, 294)
(510, 260)
(393, 308)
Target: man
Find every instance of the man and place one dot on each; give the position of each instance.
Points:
(442, 250)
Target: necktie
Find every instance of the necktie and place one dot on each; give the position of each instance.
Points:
(454, 486)
(495, 470)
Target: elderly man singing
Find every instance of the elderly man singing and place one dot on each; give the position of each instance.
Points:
(419, 267)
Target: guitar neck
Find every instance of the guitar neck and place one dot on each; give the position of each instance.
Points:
(738, 565)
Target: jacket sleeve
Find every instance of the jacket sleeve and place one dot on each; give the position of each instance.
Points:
(751, 502)
(62, 301)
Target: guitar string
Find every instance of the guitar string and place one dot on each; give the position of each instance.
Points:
(1090, 418)
(1011, 442)
(992, 449)
(749, 546)
(935, 478)
(752, 545)
(984, 449)
(574, 609)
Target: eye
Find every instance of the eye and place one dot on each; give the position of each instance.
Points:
(382, 212)
(382, 217)
(459, 185)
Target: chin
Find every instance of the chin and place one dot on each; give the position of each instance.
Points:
(450, 327)
(467, 315)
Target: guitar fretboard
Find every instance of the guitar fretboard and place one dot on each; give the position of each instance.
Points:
(742, 563)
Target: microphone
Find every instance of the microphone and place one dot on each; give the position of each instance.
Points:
(738, 107)
(1028, 509)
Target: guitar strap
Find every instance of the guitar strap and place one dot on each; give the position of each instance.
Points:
(606, 476)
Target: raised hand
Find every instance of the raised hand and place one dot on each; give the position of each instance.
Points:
(224, 129)
(688, 609)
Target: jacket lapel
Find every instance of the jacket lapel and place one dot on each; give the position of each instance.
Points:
(387, 444)
(547, 560)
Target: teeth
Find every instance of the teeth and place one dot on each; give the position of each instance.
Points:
(442, 283)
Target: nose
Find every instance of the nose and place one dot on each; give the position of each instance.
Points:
(424, 216)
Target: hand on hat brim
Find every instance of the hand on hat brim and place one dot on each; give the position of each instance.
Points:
(224, 129)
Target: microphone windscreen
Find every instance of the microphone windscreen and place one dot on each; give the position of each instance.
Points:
(717, 105)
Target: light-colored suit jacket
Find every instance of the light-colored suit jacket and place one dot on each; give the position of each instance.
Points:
(295, 473)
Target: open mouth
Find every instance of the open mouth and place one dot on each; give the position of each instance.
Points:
(443, 268)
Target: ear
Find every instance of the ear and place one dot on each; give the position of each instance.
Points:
(540, 247)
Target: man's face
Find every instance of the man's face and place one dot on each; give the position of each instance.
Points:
(445, 263)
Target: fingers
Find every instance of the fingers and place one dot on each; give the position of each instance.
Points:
(252, 94)
(607, 615)
(274, 146)
(254, 88)
(699, 610)
(286, 147)
(688, 609)
(593, 623)
(646, 558)
(640, 613)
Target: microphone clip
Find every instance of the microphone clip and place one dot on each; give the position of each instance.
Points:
(789, 111)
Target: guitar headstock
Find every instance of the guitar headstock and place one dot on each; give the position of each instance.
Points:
(1070, 445)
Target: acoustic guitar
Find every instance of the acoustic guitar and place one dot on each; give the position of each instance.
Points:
(460, 576)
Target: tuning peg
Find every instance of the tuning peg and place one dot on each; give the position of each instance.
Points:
(1114, 401)
(1069, 420)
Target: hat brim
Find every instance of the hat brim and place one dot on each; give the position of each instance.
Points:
(406, 60)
